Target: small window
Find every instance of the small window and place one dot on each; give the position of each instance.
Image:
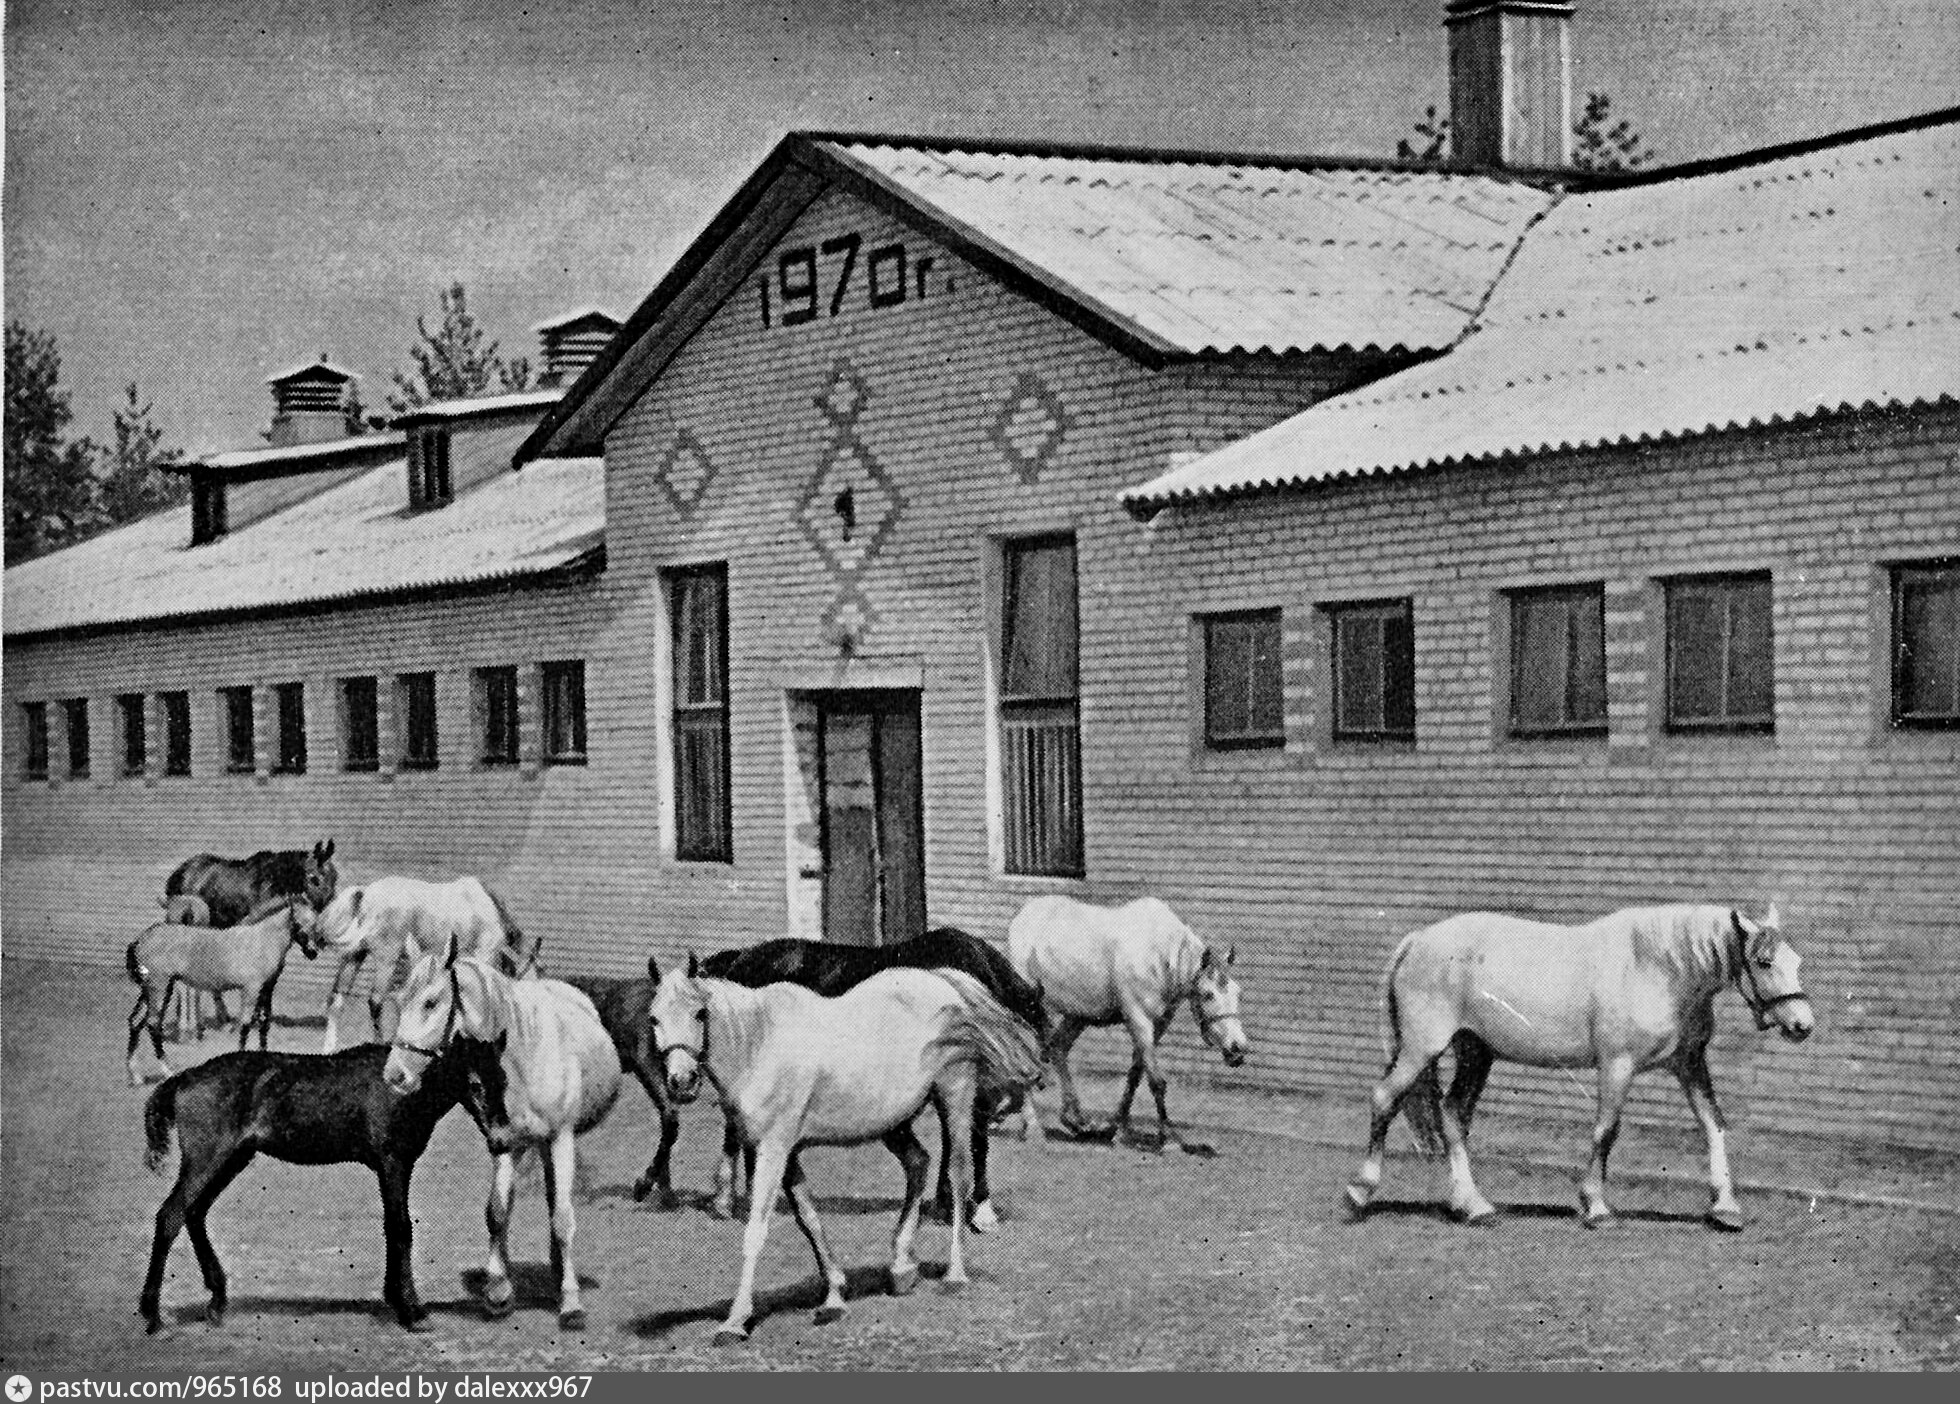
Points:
(418, 711)
(291, 699)
(135, 757)
(1558, 661)
(428, 468)
(207, 510)
(360, 724)
(1374, 671)
(564, 713)
(496, 702)
(1926, 645)
(176, 732)
(241, 749)
(703, 818)
(1040, 717)
(1244, 694)
(1720, 654)
(34, 715)
(75, 713)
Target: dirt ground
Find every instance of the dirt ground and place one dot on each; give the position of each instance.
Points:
(1110, 1257)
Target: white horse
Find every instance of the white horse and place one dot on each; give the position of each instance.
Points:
(1629, 992)
(796, 1069)
(561, 1077)
(395, 921)
(1097, 967)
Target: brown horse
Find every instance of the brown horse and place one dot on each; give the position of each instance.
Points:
(1631, 991)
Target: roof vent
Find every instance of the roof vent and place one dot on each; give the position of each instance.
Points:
(309, 404)
(573, 342)
(1511, 82)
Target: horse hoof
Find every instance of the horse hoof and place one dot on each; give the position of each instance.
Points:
(214, 1315)
(730, 1335)
(952, 1286)
(416, 1320)
(983, 1219)
(1598, 1218)
(642, 1187)
(497, 1308)
(826, 1315)
(904, 1280)
(573, 1320)
(1358, 1200)
(1727, 1220)
(1201, 1149)
(1476, 1214)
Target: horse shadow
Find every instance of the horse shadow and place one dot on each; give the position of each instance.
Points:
(532, 1285)
(703, 1201)
(807, 1295)
(194, 1313)
(1437, 1210)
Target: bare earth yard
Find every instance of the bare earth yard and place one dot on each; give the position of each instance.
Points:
(1111, 1257)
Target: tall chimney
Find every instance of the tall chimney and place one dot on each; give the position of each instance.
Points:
(1510, 82)
(571, 342)
(309, 404)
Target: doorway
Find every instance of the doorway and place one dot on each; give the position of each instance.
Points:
(873, 816)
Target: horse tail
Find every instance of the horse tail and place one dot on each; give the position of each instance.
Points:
(513, 933)
(984, 1029)
(159, 1118)
(135, 966)
(1420, 1103)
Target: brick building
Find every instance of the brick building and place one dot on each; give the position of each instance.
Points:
(1324, 546)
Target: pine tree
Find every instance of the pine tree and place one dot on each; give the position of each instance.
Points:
(1601, 144)
(50, 482)
(453, 362)
(134, 481)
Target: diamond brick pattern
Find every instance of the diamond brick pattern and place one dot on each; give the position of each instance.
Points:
(685, 471)
(1030, 426)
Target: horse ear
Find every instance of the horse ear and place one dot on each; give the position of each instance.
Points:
(1231, 954)
(354, 902)
(693, 966)
(1772, 918)
(653, 970)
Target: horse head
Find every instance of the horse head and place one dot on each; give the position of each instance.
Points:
(1767, 976)
(322, 878)
(679, 1015)
(484, 1084)
(433, 1012)
(1215, 1005)
(304, 924)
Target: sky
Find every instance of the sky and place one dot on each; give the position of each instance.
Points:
(203, 193)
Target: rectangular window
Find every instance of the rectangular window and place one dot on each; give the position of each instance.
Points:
(703, 813)
(1244, 693)
(360, 724)
(1926, 645)
(35, 717)
(417, 693)
(75, 713)
(496, 703)
(135, 757)
(1721, 671)
(563, 702)
(241, 749)
(1039, 711)
(428, 468)
(176, 732)
(291, 700)
(1558, 661)
(1374, 671)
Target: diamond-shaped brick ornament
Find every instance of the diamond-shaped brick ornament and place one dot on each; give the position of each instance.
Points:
(849, 507)
(1030, 426)
(843, 395)
(847, 624)
(685, 470)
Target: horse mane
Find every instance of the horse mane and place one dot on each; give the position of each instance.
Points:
(1690, 941)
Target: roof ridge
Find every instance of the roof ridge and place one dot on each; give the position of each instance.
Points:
(1781, 151)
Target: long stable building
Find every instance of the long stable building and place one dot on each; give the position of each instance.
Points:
(1323, 546)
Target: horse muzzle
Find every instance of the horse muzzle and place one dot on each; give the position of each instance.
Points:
(1792, 1018)
(400, 1077)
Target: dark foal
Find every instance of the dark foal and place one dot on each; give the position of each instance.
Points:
(307, 1109)
(622, 1006)
(829, 969)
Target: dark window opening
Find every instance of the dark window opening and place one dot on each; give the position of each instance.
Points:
(1558, 661)
(1374, 671)
(1926, 645)
(241, 749)
(360, 724)
(135, 734)
(176, 732)
(1040, 714)
(291, 701)
(703, 809)
(563, 688)
(207, 510)
(1244, 688)
(34, 716)
(1721, 672)
(75, 713)
(418, 712)
(497, 713)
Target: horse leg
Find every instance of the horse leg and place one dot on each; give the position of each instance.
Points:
(398, 1282)
(726, 1173)
(805, 1208)
(1067, 1030)
(659, 1173)
(207, 1256)
(903, 1143)
(1615, 1077)
(771, 1159)
(140, 1015)
(1723, 1211)
(1473, 1062)
(982, 1219)
(170, 1221)
(344, 976)
(498, 1294)
(1402, 1073)
(956, 1096)
(560, 1169)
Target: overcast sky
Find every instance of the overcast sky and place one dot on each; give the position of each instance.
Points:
(203, 193)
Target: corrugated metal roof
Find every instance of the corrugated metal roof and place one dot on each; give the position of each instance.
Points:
(351, 540)
(300, 456)
(1768, 292)
(1232, 255)
(481, 404)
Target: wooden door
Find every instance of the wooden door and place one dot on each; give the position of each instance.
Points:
(873, 831)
